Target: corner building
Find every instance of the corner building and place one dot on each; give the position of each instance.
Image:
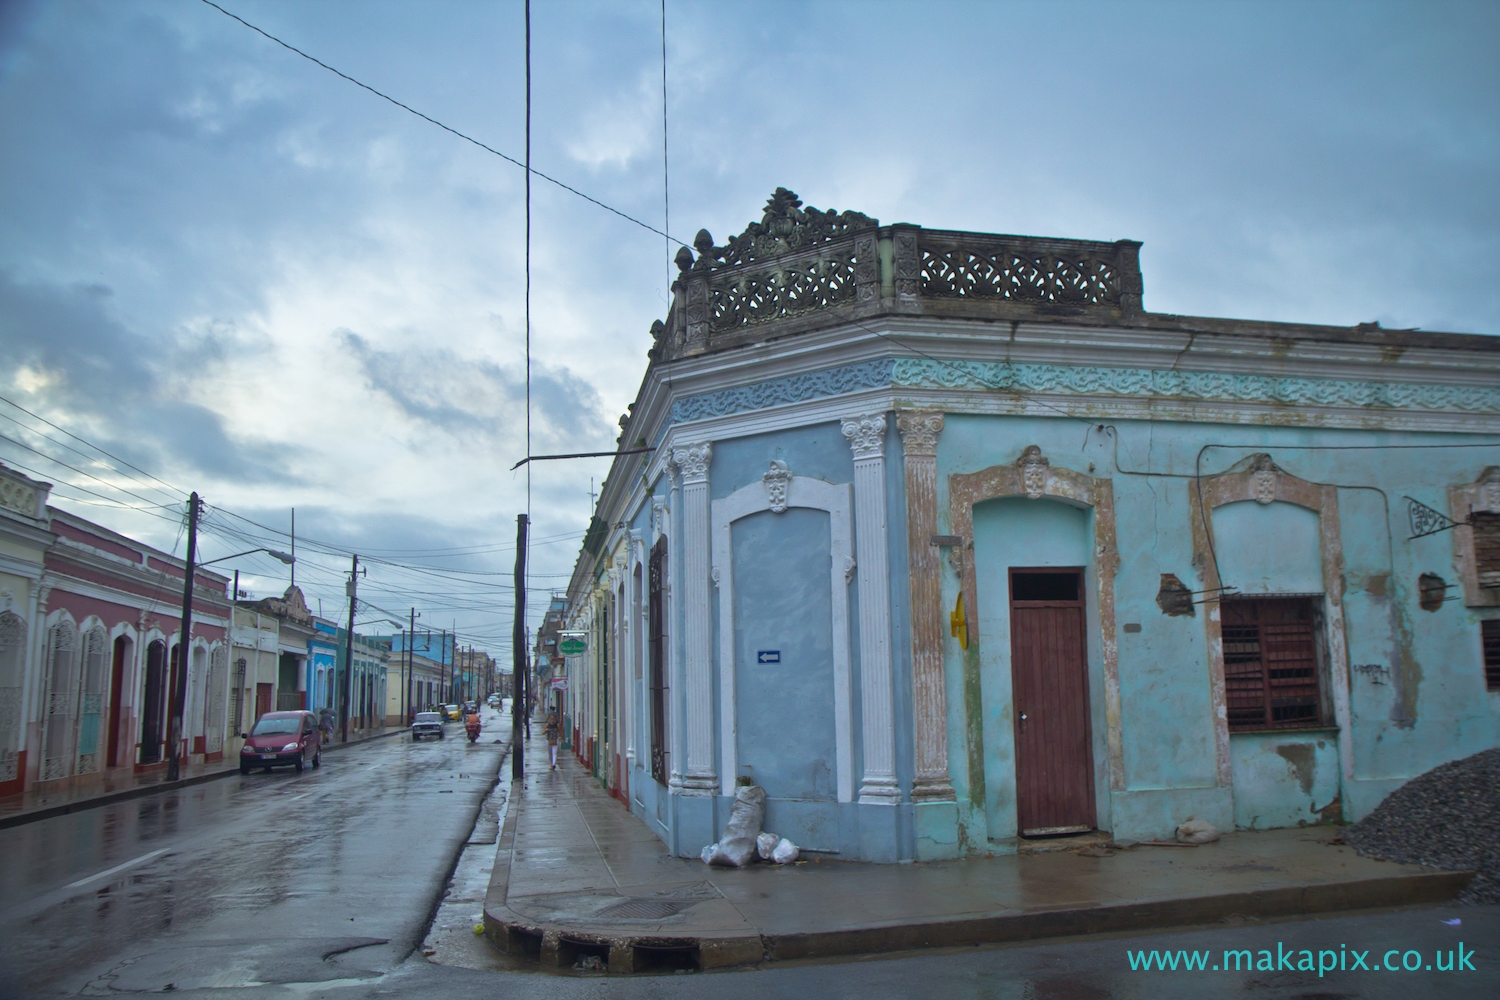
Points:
(947, 542)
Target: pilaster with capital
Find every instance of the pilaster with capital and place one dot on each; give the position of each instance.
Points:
(866, 436)
(699, 776)
(919, 434)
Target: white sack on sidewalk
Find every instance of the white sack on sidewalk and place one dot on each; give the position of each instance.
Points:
(737, 847)
(1197, 831)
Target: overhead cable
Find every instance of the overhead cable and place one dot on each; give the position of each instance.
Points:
(447, 128)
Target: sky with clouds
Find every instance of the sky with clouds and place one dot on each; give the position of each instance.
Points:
(246, 276)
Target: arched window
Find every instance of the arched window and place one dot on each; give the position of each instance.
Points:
(12, 665)
(62, 672)
(91, 702)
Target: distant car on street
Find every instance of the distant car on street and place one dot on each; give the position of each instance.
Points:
(453, 713)
(427, 724)
(281, 738)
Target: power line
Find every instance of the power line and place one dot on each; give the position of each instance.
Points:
(448, 128)
(81, 472)
(100, 450)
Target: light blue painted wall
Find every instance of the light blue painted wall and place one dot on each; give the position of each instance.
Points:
(782, 602)
(1416, 689)
(1283, 779)
(1268, 548)
(818, 451)
(1009, 533)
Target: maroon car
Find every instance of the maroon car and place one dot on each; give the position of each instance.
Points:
(282, 738)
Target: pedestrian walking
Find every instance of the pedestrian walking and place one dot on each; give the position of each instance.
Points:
(325, 723)
(552, 736)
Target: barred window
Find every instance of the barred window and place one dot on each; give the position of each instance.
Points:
(1489, 633)
(1271, 676)
(1486, 527)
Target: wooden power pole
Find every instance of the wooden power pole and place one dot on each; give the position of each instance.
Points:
(184, 651)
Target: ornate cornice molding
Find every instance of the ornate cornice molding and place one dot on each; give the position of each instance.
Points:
(776, 392)
(1086, 380)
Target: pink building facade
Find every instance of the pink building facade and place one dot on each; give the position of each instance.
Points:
(90, 628)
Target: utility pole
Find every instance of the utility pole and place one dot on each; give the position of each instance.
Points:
(411, 665)
(179, 689)
(348, 686)
(518, 654)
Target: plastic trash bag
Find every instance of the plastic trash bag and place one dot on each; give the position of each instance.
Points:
(765, 844)
(785, 853)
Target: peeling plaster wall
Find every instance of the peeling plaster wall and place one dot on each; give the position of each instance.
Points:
(1284, 779)
(1019, 532)
(1416, 680)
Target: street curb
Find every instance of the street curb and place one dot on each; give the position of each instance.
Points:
(126, 794)
(552, 945)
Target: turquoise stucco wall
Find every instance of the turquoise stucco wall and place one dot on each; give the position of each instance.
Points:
(1416, 682)
(1284, 779)
(1017, 532)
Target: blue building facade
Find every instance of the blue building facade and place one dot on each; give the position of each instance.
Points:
(948, 543)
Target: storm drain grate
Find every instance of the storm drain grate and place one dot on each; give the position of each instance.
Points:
(646, 909)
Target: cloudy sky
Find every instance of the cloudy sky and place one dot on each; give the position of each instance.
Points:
(246, 276)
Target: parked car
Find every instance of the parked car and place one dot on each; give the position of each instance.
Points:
(453, 713)
(427, 724)
(282, 738)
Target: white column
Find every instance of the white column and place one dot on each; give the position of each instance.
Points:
(699, 777)
(866, 436)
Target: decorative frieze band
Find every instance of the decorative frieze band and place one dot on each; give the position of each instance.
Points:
(1149, 382)
(1084, 380)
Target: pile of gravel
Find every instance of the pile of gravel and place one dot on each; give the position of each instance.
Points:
(1447, 818)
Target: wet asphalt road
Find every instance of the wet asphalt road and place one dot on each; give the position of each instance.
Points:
(278, 878)
(322, 885)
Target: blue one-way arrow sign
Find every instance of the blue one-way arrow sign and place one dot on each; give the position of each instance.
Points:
(768, 656)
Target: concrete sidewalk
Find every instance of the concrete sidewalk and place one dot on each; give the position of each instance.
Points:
(577, 876)
(31, 806)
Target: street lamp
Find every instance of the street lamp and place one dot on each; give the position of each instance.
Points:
(289, 560)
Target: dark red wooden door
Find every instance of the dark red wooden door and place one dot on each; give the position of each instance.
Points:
(1049, 679)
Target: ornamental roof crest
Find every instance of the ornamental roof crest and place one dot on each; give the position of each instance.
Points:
(786, 226)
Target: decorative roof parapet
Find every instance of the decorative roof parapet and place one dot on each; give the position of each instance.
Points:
(805, 268)
(785, 227)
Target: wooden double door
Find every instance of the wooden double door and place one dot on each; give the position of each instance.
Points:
(1049, 679)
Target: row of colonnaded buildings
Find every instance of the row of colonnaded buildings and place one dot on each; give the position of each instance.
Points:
(947, 542)
(90, 634)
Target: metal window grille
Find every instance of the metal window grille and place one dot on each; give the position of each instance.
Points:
(655, 633)
(1271, 677)
(1489, 632)
(237, 696)
(1486, 528)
